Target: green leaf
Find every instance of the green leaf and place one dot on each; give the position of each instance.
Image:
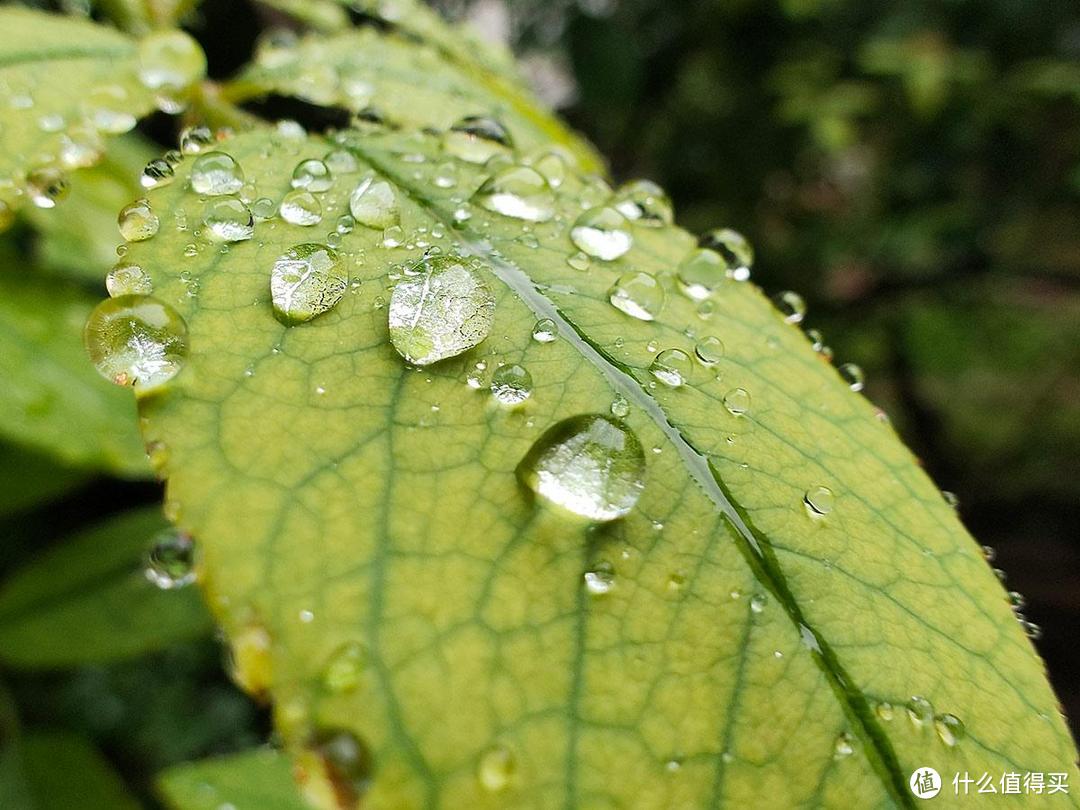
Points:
(254, 779)
(52, 770)
(51, 399)
(28, 479)
(87, 600)
(67, 82)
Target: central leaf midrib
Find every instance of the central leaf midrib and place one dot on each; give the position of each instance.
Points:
(753, 544)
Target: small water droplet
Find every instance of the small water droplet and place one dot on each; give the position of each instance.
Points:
(126, 278)
(306, 281)
(443, 308)
(884, 710)
(600, 580)
(263, 208)
(511, 384)
(170, 563)
(672, 367)
(108, 109)
(733, 248)
(216, 173)
(602, 233)
(638, 294)
(737, 401)
(301, 208)
(137, 221)
(47, 186)
(195, 139)
(341, 161)
(545, 331)
(949, 728)
(345, 668)
(553, 167)
(920, 711)
(157, 173)
(136, 340)
(518, 192)
(589, 465)
(844, 746)
(620, 408)
(643, 202)
(791, 305)
(446, 175)
(852, 375)
(496, 768)
(476, 139)
(709, 350)
(818, 501)
(348, 761)
(228, 220)
(758, 602)
(950, 498)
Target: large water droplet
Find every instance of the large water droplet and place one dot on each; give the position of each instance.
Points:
(170, 562)
(672, 367)
(733, 247)
(638, 294)
(709, 350)
(545, 331)
(643, 202)
(228, 219)
(477, 138)
(374, 204)
(128, 279)
(136, 340)
(737, 401)
(137, 221)
(949, 728)
(496, 767)
(518, 192)
(312, 175)
(511, 384)
(443, 308)
(301, 208)
(701, 272)
(216, 173)
(306, 281)
(589, 465)
(602, 233)
(818, 501)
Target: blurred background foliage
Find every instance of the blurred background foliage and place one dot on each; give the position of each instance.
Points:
(911, 168)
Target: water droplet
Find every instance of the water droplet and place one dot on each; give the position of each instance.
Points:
(602, 233)
(737, 401)
(844, 746)
(852, 375)
(589, 465)
(949, 728)
(920, 710)
(553, 167)
(643, 202)
(672, 367)
(128, 279)
(170, 61)
(374, 204)
(1017, 600)
(170, 562)
(341, 161)
(216, 173)
(1033, 631)
(884, 710)
(301, 208)
(345, 668)
(817, 343)
(477, 138)
(348, 761)
(600, 580)
(791, 305)
(732, 246)
(136, 340)
(545, 331)
(263, 208)
(312, 175)
(638, 294)
(137, 221)
(442, 309)
(511, 384)
(157, 173)
(108, 110)
(700, 273)
(758, 602)
(709, 350)
(518, 192)
(306, 281)
(818, 501)
(950, 498)
(228, 219)
(620, 408)
(47, 186)
(195, 139)
(496, 768)
(446, 175)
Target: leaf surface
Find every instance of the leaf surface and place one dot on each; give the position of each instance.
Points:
(253, 780)
(27, 479)
(87, 600)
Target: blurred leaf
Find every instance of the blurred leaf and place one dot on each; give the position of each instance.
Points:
(28, 479)
(54, 70)
(87, 600)
(52, 398)
(253, 780)
(326, 16)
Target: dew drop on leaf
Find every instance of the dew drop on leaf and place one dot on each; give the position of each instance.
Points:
(545, 331)
(216, 173)
(552, 166)
(737, 401)
(700, 272)
(312, 175)
(600, 580)
(518, 192)
(672, 367)
(374, 204)
(170, 563)
(345, 668)
(818, 501)
(137, 221)
(156, 174)
(341, 161)
(884, 710)
(228, 220)
(949, 728)
(758, 602)
(602, 233)
(170, 61)
(643, 202)
(195, 139)
(306, 281)
(791, 305)
(709, 350)
(348, 762)
(263, 208)
(920, 711)
(442, 309)
(620, 408)
(108, 109)
(300, 207)
(136, 340)
(496, 767)
(590, 465)
(638, 294)
(511, 384)
(476, 139)
(47, 186)
(852, 375)
(844, 746)
(736, 251)
(127, 278)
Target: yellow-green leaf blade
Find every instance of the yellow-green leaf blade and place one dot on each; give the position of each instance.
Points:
(260, 779)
